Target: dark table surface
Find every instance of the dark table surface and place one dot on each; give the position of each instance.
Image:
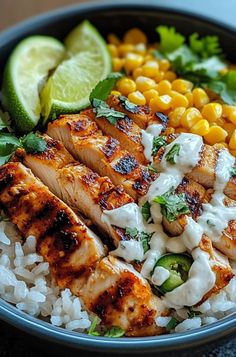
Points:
(13, 342)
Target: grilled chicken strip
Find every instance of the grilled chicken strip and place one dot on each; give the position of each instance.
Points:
(141, 115)
(102, 154)
(111, 289)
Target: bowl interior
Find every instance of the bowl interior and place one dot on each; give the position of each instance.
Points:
(116, 18)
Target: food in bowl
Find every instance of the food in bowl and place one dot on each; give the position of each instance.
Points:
(127, 191)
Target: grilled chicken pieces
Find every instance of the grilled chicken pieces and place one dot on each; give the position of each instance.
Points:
(108, 287)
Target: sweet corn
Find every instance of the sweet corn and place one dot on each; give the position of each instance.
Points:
(200, 128)
(140, 48)
(200, 97)
(169, 131)
(162, 102)
(182, 86)
(178, 100)
(164, 87)
(189, 96)
(220, 146)
(144, 83)
(175, 116)
(115, 92)
(123, 49)
(150, 94)
(137, 98)
(229, 127)
(228, 109)
(232, 117)
(159, 77)
(147, 58)
(232, 142)
(190, 117)
(126, 85)
(150, 69)
(212, 111)
(181, 130)
(135, 36)
(216, 134)
(132, 61)
(137, 72)
(164, 65)
(233, 152)
(170, 76)
(113, 39)
(117, 64)
(113, 50)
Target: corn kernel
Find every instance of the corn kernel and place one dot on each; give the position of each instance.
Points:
(216, 134)
(162, 102)
(212, 111)
(175, 116)
(147, 58)
(220, 146)
(178, 100)
(170, 76)
(232, 117)
(229, 127)
(189, 96)
(228, 109)
(137, 98)
(232, 142)
(123, 49)
(190, 117)
(159, 77)
(126, 85)
(233, 152)
(164, 65)
(220, 122)
(169, 131)
(117, 64)
(164, 87)
(132, 61)
(200, 97)
(135, 36)
(181, 130)
(113, 39)
(150, 69)
(200, 128)
(149, 94)
(144, 83)
(140, 48)
(113, 50)
(182, 86)
(115, 92)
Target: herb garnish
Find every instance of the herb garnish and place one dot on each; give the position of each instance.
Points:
(104, 87)
(130, 107)
(115, 332)
(92, 330)
(158, 142)
(172, 205)
(132, 232)
(5, 121)
(152, 168)
(193, 313)
(210, 224)
(172, 153)
(143, 237)
(146, 212)
(101, 109)
(172, 324)
(233, 171)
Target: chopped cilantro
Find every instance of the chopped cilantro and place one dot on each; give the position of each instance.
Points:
(101, 109)
(205, 47)
(132, 232)
(130, 107)
(145, 210)
(158, 142)
(33, 143)
(92, 330)
(170, 40)
(152, 168)
(233, 171)
(115, 332)
(145, 240)
(192, 313)
(172, 324)
(172, 205)
(172, 153)
(104, 87)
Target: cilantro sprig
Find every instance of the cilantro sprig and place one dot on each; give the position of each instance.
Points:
(101, 109)
(172, 153)
(114, 332)
(158, 142)
(143, 237)
(193, 313)
(172, 205)
(146, 211)
(130, 107)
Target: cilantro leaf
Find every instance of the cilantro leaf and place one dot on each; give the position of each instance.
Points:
(145, 240)
(170, 40)
(130, 107)
(172, 153)
(92, 330)
(146, 212)
(103, 88)
(101, 109)
(132, 232)
(192, 313)
(172, 324)
(115, 332)
(152, 168)
(158, 142)
(172, 205)
(233, 171)
(32, 143)
(5, 121)
(225, 87)
(205, 47)
(8, 144)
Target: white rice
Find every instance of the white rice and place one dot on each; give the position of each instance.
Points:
(25, 282)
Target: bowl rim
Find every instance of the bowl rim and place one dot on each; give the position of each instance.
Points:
(10, 314)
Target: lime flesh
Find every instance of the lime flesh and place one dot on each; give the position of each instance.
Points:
(25, 72)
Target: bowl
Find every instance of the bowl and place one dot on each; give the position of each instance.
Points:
(117, 17)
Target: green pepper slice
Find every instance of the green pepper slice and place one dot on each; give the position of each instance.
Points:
(178, 266)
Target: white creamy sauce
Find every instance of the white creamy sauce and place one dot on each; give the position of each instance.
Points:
(160, 275)
(175, 245)
(192, 234)
(129, 250)
(147, 139)
(200, 280)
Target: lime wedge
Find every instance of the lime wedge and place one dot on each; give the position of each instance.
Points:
(69, 87)
(25, 72)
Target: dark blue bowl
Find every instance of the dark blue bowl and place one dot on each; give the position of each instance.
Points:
(115, 17)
